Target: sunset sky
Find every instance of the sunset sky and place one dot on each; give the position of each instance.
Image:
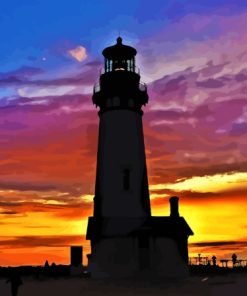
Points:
(193, 57)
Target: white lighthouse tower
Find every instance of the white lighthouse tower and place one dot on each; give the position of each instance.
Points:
(122, 232)
(121, 182)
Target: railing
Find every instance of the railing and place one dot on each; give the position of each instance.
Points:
(142, 86)
(205, 261)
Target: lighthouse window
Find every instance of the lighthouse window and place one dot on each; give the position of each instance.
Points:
(108, 103)
(126, 179)
(131, 103)
(110, 65)
(128, 65)
(116, 101)
(131, 65)
(108, 62)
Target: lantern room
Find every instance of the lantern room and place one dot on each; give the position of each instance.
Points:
(119, 57)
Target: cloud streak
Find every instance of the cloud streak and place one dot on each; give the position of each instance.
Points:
(38, 241)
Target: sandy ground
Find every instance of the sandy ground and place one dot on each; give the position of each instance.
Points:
(234, 285)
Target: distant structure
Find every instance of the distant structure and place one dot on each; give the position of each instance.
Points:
(46, 264)
(76, 255)
(76, 259)
(234, 259)
(125, 239)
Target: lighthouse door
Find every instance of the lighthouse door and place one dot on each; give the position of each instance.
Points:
(144, 256)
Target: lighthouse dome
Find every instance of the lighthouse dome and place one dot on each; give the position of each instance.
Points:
(119, 51)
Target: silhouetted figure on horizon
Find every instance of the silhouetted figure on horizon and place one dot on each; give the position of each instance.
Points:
(46, 264)
(234, 259)
(214, 260)
(199, 259)
(15, 281)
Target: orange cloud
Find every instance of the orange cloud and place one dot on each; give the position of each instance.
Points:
(78, 53)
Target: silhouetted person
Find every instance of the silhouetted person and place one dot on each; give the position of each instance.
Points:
(214, 260)
(15, 281)
(199, 259)
(46, 264)
(234, 259)
(47, 269)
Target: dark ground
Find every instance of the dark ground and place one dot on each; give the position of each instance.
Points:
(232, 284)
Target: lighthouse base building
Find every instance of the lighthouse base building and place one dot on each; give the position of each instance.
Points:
(126, 240)
(123, 247)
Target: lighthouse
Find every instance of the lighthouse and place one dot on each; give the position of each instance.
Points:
(121, 179)
(125, 238)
